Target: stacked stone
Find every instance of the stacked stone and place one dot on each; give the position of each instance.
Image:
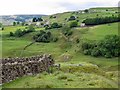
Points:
(13, 68)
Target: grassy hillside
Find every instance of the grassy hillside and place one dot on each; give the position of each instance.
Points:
(93, 73)
(93, 12)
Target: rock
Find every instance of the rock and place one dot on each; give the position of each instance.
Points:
(13, 68)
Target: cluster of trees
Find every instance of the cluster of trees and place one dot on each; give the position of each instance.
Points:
(53, 25)
(19, 32)
(101, 20)
(44, 36)
(108, 47)
(37, 19)
(16, 23)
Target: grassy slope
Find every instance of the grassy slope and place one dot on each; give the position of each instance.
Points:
(12, 47)
(97, 31)
(98, 11)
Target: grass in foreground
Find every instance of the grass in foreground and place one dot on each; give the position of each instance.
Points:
(105, 76)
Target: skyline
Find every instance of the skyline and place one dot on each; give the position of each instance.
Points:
(48, 7)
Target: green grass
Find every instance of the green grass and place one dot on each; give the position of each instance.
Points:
(100, 31)
(59, 79)
(11, 29)
(101, 12)
(88, 76)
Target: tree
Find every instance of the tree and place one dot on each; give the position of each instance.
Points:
(18, 33)
(18, 23)
(37, 19)
(72, 18)
(34, 19)
(11, 34)
(40, 19)
(2, 28)
(108, 47)
(14, 23)
(23, 23)
(86, 10)
(43, 36)
(95, 52)
(55, 25)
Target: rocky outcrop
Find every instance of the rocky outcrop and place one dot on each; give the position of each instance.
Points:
(12, 68)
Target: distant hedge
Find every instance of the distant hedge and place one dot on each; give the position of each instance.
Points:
(37, 19)
(108, 47)
(101, 20)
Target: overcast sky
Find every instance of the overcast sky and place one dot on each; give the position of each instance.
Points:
(11, 7)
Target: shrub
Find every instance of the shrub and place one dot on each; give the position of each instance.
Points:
(72, 18)
(2, 28)
(11, 34)
(86, 10)
(23, 23)
(108, 47)
(108, 55)
(44, 36)
(73, 24)
(52, 17)
(88, 45)
(95, 52)
(87, 52)
(14, 23)
(18, 33)
(55, 25)
(47, 27)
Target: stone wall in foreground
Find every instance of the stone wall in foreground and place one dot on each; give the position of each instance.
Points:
(13, 68)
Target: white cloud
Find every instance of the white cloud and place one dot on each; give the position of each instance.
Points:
(10, 7)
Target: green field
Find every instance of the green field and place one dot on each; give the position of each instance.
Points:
(95, 73)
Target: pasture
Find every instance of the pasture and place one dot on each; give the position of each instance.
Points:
(94, 72)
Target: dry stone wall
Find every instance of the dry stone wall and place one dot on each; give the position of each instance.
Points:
(13, 68)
